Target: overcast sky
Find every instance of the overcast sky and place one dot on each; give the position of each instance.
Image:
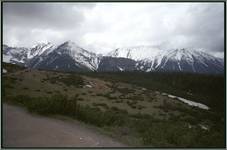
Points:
(102, 27)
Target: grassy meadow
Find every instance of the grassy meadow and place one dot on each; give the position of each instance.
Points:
(129, 106)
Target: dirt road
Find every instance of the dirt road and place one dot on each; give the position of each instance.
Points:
(22, 129)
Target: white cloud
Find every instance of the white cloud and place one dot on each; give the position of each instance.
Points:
(104, 26)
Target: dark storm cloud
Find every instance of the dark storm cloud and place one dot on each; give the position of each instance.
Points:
(43, 15)
(26, 24)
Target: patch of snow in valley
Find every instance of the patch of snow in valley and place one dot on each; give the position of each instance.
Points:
(144, 89)
(89, 86)
(190, 103)
(189, 126)
(164, 94)
(203, 127)
(171, 96)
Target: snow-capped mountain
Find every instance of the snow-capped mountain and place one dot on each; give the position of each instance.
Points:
(21, 55)
(80, 55)
(71, 57)
(187, 60)
(67, 56)
(15, 55)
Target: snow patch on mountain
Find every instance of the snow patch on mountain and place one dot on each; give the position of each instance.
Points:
(40, 49)
(121, 69)
(135, 53)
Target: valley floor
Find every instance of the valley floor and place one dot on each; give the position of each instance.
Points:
(21, 129)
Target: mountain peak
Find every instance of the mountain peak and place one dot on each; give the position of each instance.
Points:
(68, 42)
(41, 44)
(70, 45)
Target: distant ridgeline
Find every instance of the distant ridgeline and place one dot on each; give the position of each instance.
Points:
(70, 57)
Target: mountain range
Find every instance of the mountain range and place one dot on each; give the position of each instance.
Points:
(68, 56)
